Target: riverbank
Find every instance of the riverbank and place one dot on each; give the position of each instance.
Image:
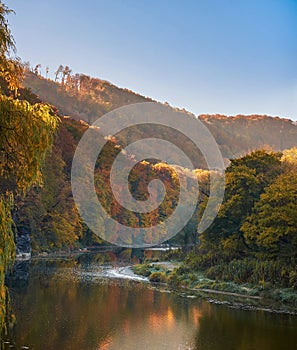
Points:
(90, 302)
(241, 296)
(167, 276)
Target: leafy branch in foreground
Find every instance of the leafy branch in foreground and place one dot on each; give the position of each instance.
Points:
(26, 134)
(11, 68)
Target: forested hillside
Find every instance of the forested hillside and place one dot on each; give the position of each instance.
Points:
(79, 95)
(82, 97)
(242, 134)
(48, 213)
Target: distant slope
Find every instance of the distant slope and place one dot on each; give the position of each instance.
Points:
(83, 97)
(241, 134)
(86, 98)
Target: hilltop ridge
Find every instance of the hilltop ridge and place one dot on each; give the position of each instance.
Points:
(85, 98)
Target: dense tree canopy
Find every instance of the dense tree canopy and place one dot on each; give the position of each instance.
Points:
(246, 178)
(254, 237)
(272, 227)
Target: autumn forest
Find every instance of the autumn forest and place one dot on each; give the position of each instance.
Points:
(251, 242)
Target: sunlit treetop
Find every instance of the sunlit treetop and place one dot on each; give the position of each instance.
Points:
(10, 66)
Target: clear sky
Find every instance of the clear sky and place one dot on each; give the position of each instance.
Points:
(208, 56)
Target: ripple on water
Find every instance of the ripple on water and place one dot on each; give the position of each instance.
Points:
(97, 273)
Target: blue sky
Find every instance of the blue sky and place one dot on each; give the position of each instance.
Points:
(208, 56)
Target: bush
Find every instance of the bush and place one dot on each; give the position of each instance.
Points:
(264, 273)
(174, 254)
(239, 271)
(293, 279)
(143, 270)
(159, 277)
(202, 260)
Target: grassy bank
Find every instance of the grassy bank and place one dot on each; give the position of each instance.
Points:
(241, 295)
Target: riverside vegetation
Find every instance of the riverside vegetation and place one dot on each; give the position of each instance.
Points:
(253, 240)
(250, 248)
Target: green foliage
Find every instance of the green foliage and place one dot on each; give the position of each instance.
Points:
(272, 227)
(7, 236)
(158, 277)
(246, 179)
(253, 239)
(7, 251)
(286, 296)
(48, 212)
(11, 69)
(200, 259)
(175, 254)
(176, 279)
(26, 134)
(289, 156)
(265, 273)
(142, 269)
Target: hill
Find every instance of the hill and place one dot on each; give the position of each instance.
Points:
(81, 96)
(84, 98)
(241, 134)
(49, 215)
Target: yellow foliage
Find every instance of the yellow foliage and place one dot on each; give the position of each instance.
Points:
(290, 156)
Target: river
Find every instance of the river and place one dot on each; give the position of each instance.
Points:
(95, 302)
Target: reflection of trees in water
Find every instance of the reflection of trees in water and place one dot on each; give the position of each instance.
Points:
(70, 313)
(224, 328)
(17, 277)
(119, 256)
(61, 311)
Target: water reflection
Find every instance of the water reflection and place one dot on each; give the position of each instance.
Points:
(245, 330)
(68, 314)
(59, 309)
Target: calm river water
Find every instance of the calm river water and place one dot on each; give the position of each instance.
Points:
(81, 304)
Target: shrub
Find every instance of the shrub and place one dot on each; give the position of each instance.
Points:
(264, 273)
(293, 279)
(143, 270)
(159, 277)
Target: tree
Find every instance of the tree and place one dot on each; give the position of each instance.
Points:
(289, 158)
(246, 178)
(10, 66)
(66, 75)
(58, 72)
(26, 134)
(272, 227)
(37, 69)
(50, 211)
